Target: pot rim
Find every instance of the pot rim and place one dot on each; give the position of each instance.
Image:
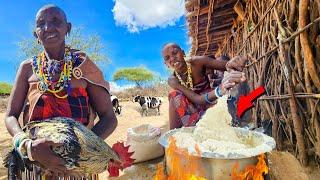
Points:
(267, 140)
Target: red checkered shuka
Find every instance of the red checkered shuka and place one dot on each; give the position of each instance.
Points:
(75, 106)
(190, 113)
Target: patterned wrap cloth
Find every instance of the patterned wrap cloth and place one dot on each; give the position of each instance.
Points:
(76, 105)
(188, 112)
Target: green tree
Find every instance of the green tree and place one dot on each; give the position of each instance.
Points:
(138, 75)
(91, 44)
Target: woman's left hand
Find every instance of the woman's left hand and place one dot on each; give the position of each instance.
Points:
(74, 174)
(67, 174)
(237, 63)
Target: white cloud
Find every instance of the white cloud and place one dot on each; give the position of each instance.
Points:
(114, 87)
(143, 14)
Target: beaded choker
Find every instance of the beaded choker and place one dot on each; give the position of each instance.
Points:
(189, 83)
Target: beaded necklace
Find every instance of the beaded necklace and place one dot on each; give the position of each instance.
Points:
(189, 83)
(45, 73)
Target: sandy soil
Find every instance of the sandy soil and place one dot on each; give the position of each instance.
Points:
(291, 169)
(284, 166)
(130, 117)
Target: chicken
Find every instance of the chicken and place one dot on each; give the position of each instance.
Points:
(82, 150)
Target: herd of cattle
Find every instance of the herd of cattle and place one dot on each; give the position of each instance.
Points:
(145, 102)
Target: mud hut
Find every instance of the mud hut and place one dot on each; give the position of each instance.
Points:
(282, 40)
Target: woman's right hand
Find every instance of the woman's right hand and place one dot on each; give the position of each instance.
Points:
(230, 80)
(42, 153)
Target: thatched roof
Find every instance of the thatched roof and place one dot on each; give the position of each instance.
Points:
(209, 21)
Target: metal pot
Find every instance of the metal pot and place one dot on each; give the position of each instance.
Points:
(212, 165)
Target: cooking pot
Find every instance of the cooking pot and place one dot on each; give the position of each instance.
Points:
(219, 166)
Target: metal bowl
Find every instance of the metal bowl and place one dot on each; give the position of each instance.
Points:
(217, 166)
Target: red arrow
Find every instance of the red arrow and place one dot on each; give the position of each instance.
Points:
(245, 102)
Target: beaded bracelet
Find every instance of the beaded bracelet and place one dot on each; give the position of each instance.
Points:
(206, 98)
(16, 137)
(217, 92)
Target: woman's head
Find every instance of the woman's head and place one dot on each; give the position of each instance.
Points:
(51, 26)
(173, 56)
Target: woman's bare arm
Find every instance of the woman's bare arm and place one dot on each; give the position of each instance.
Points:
(101, 102)
(207, 62)
(192, 96)
(17, 98)
(237, 63)
(229, 81)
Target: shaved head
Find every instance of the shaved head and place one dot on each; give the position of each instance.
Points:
(51, 26)
(52, 6)
(171, 44)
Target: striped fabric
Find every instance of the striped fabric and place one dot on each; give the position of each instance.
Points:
(36, 174)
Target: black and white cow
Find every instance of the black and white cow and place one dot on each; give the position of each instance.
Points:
(115, 103)
(147, 102)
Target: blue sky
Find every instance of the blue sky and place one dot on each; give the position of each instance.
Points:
(132, 34)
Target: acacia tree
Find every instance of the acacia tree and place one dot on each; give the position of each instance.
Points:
(91, 44)
(138, 75)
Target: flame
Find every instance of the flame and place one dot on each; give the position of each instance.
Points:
(190, 171)
(193, 170)
(251, 172)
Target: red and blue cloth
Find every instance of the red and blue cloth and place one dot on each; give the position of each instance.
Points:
(75, 106)
(188, 112)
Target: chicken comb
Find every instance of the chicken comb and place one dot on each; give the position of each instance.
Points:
(124, 156)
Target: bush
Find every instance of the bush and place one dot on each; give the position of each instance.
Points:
(5, 88)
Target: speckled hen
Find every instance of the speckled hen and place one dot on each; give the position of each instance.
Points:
(82, 150)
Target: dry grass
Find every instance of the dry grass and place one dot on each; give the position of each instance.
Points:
(159, 90)
(3, 103)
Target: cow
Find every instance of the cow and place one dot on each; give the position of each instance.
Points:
(115, 104)
(147, 102)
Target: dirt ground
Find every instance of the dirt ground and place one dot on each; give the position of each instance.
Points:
(130, 117)
(282, 165)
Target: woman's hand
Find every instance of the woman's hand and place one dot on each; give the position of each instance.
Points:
(237, 63)
(68, 174)
(230, 80)
(174, 82)
(74, 174)
(41, 152)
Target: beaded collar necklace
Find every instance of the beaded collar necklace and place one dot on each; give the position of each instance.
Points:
(46, 69)
(189, 83)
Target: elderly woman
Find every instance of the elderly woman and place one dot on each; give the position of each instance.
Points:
(193, 94)
(58, 82)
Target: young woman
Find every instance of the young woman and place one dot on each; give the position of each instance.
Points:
(193, 95)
